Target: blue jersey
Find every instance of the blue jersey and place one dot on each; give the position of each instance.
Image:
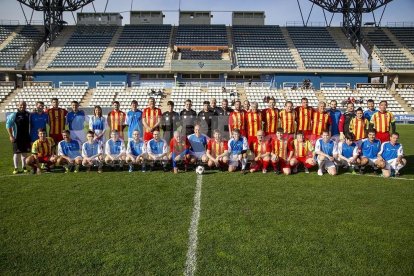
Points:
(237, 146)
(114, 147)
(136, 148)
(389, 151)
(330, 148)
(369, 149)
(335, 116)
(368, 114)
(157, 147)
(198, 144)
(37, 121)
(134, 122)
(90, 150)
(76, 121)
(347, 150)
(97, 123)
(70, 149)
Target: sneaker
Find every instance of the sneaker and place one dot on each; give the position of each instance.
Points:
(264, 171)
(67, 170)
(42, 166)
(25, 170)
(143, 169)
(131, 168)
(39, 171)
(252, 170)
(76, 169)
(175, 170)
(397, 174)
(100, 170)
(320, 173)
(353, 171)
(15, 171)
(306, 170)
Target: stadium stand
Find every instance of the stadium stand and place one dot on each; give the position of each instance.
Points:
(262, 46)
(200, 55)
(5, 91)
(257, 94)
(405, 36)
(318, 49)
(32, 94)
(201, 35)
(340, 94)
(140, 94)
(380, 94)
(27, 41)
(391, 56)
(407, 94)
(141, 46)
(85, 48)
(198, 95)
(296, 96)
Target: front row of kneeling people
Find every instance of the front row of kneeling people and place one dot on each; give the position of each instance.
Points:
(280, 154)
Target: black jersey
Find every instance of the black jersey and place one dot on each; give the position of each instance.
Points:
(188, 120)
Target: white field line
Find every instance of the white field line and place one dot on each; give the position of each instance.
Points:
(191, 262)
(380, 176)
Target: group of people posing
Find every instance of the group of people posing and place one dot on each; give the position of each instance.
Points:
(217, 137)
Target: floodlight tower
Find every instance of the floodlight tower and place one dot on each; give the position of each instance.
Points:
(352, 11)
(53, 13)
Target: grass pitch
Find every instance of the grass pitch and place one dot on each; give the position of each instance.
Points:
(121, 223)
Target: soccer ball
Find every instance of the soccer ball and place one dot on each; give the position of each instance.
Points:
(199, 170)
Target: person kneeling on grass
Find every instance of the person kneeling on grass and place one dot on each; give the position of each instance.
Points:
(282, 153)
(217, 151)
(115, 150)
(326, 149)
(303, 153)
(157, 151)
(237, 151)
(136, 152)
(92, 152)
(179, 151)
(370, 147)
(392, 152)
(261, 151)
(69, 153)
(43, 152)
(348, 153)
(198, 143)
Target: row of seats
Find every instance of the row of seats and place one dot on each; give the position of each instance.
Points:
(141, 46)
(45, 93)
(85, 47)
(407, 94)
(392, 57)
(405, 36)
(19, 48)
(5, 31)
(262, 47)
(200, 55)
(257, 94)
(5, 91)
(201, 35)
(318, 49)
(140, 94)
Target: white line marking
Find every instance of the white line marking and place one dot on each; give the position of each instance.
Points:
(191, 262)
(380, 176)
(13, 175)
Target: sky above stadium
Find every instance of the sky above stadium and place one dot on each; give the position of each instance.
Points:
(278, 12)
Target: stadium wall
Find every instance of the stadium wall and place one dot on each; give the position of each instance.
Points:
(317, 79)
(89, 77)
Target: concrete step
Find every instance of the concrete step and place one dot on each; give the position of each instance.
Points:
(403, 103)
(87, 97)
(109, 49)
(293, 49)
(9, 99)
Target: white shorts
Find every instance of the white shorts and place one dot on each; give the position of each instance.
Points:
(197, 155)
(78, 135)
(328, 164)
(391, 164)
(115, 157)
(96, 161)
(371, 161)
(234, 160)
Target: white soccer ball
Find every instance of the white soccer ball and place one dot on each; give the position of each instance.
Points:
(199, 170)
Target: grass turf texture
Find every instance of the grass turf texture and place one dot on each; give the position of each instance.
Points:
(254, 224)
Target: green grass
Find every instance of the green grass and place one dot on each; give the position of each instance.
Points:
(120, 223)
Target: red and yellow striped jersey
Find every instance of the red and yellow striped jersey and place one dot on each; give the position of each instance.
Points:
(151, 116)
(116, 121)
(287, 121)
(43, 148)
(237, 120)
(359, 128)
(302, 149)
(320, 122)
(304, 118)
(382, 121)
(281, 148)
(216, 148)
(271, 120)
(260, 148)
(178, 147)
(57, 118)
(253, 123)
